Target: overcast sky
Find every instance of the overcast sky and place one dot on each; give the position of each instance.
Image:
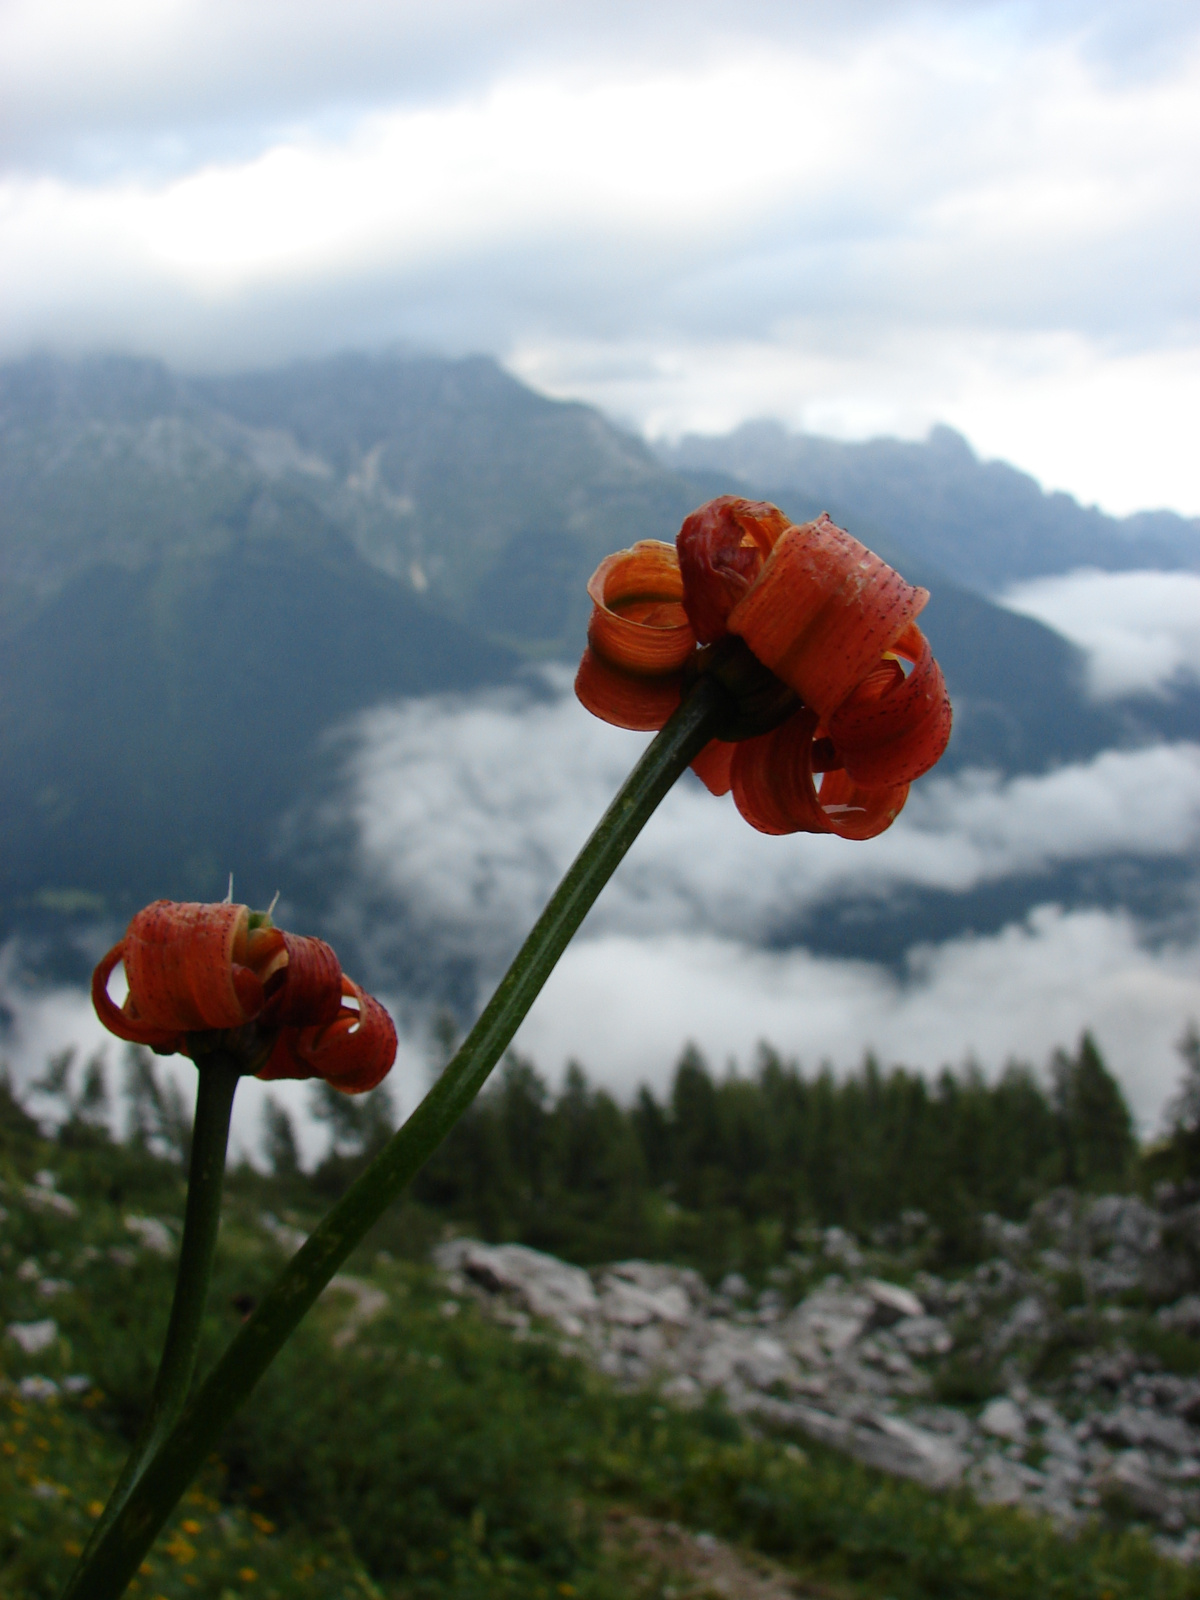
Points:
(857, 217)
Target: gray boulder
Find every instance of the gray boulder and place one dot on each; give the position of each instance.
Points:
(545, 1286)
(874, 1437)
(891, 1302)
(1003, 1419)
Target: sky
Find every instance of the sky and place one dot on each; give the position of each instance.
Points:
(857, 217)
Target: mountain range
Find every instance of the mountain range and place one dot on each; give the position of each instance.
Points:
(201, 577)
(982, 523)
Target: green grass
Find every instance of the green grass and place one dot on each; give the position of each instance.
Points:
(435, 1455)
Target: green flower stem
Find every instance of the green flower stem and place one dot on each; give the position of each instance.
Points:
(215, 1088)
(113, 1558)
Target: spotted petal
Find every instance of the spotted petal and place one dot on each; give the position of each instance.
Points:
(823, 611)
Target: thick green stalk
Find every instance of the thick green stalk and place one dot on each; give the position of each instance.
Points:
(114, 1558)
(216, 1084)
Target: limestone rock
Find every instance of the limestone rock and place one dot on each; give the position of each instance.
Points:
(922, 1337)
(889, 1443)
(828, 1321)
(1128, 1478)
(546, 1286)
(1002, 1419)
(152, 1234)
(634, 1293)
(1142, 1428)
(891, 1302)
(1184, 1316)
(853, 1364)
(997, 1481)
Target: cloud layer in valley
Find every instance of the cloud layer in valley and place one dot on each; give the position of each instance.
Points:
(622, 1006)
(461, 812)
(975, 213)
(1141, 630)
(466, 810)
(469, 808)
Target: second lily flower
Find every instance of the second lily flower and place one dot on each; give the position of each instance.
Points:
(831, 621)
(206, 974)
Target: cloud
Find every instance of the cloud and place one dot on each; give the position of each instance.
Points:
(623, 1006)
(1141, 630)
(463, 811)
(467, 810)
(146, 84)
(963, 213)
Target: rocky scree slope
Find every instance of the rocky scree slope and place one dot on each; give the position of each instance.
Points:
(1062, 1374)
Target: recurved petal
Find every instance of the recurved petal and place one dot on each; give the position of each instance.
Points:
(772, 779)
(355, 1056)
(858, 810)
(308, 989)
(774, 788)
(354, 1053)
(117, 1020)
(823, 611)
(638, 622)
(893, 728)
(721, 550)
(626, 700)
(179, 960)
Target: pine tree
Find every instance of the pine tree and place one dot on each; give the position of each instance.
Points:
(158, 1111)
(1183, 1113)
(279, 1139)
(1098, 1138)
(92, 1105)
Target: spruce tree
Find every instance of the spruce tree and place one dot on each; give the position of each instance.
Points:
(1097, 1128)
(1183, 1113)
(279, 1140)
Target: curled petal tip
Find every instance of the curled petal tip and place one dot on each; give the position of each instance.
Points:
(637, 703)
(893, 728)
(354, 1053)
(775, 788)
(638, 620)
(118, 1019)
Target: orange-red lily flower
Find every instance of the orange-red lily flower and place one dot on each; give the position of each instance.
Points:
(867, 710)
(197, 969)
